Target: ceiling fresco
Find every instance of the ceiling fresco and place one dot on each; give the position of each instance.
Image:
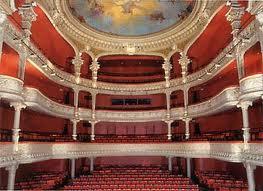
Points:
(131, 17)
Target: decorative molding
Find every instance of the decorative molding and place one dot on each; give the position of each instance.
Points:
(11, 89)
(225, 100)
(33, 152)
(69, 80)
(251, 87)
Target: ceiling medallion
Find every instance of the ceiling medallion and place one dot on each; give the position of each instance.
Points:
(131, 17)
(131, 26)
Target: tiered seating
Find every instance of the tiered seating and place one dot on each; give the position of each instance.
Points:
(221, 181)
(41, 181)
(230, 135)
(6, 135)
(131, 179)
(131, 138)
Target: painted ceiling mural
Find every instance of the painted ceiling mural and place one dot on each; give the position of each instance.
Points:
(131, 17)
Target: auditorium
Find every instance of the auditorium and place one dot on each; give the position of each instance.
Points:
(131, 95)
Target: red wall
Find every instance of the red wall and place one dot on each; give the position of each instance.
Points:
(9, 61)
(131, 128)
(253, 60)
(213, 39)
(226, 78)
(54, 91)
(157, 100)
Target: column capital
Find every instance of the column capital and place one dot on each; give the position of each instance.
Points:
(186, 119)
(93, 122)
(18, 105)
(75, 120)
(12, 167)
(94, 67)
(28, 15)
(3, 18)
(167, 67)
(184, 61)
(244, 104)
(234, 16)
(250, 166)
(169, 122)
(76, 89)
(94, 93)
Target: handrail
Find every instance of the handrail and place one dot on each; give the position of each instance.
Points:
(227, 151)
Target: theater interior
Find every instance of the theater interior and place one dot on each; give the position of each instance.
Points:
(131, 95)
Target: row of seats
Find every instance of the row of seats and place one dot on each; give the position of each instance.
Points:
(131, 179)
(131, 138)
(6, 135)
(230, 135)
(41, 181)
(221, 181)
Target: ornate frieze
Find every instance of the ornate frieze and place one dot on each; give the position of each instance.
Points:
(224, 100)
(33, 152)
(194, 79)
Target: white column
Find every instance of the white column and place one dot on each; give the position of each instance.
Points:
(234, 16)
(22, 63)
(250, 176)
(77, 62)
(73, 168)
(170, 164)
(3, 19)
(187, 127)
(255, 8)
(188, 166)
(167, 68)
(91, 159)
(28, 16)
(11, 176)
(93, 96)
(74, 128)
(240, 62)
(184, 61)
(94, 68)
(76, 98)
(244, 107)
(168, 104)
(92, 136)
(169, 129)
(16, 125)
